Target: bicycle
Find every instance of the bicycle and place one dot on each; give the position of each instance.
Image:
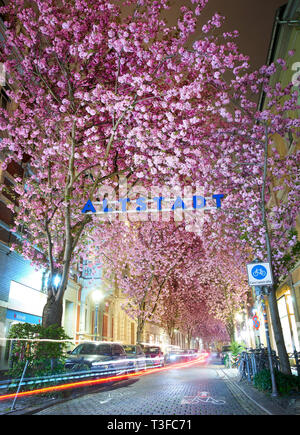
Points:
(243, 366)
(254, 361)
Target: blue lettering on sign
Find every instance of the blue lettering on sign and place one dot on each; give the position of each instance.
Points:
(124, 202)
(196, 204)
(158, 199)
(199, 202)
(259, 272)
(88, 207)
(142, 206)
(105, 206)
(218, 199)
(178, 203)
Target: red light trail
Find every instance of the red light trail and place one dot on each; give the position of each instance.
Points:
(200, 359)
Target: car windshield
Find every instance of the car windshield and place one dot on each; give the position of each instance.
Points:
(92, 349)
(226, 349)
(152, 350)
(129, 349)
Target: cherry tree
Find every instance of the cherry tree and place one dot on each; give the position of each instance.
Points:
(98, 94)
(226, 291)
(171, 308)
(185, 308)
(196, 320)
(257, 227)
(146, 259)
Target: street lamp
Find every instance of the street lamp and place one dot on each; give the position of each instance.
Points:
(97, 297)
(56, 280)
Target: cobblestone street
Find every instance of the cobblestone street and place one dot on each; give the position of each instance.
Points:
(198, 390)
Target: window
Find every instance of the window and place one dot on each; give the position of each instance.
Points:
(129, 349)
(117, 350)
(103, 349)
(105, 325)
(288, 322)
(139, 350)
(9, 191)
(112, 327)
(155, 350)
(4, 99)
(132, 333)
(15, 170)
(1, 5)
(88, 349)
(77, 350)
(6, 215)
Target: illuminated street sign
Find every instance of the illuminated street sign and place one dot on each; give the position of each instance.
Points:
(259, 274)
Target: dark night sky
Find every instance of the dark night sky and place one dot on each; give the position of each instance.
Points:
(252, 18)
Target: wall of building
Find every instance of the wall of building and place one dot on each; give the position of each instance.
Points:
(18, 281)
(286, 38)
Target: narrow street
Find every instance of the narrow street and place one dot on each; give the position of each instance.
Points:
(196, 390)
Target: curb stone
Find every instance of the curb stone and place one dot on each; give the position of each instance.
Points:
(274, 405)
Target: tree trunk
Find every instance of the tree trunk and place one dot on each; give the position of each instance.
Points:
(278, 335)
(140, 330)
(173, 339)
(230, 330)
(52, 312)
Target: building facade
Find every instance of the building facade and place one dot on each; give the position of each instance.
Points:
(113, 322)
(284, 40)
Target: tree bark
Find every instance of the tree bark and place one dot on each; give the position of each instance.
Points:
(278, 335)
(189, 339)
(230, 330)
(52, 312)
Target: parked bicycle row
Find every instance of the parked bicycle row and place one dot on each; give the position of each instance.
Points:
(251, 361)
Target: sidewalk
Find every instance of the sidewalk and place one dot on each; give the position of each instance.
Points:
(289, 405)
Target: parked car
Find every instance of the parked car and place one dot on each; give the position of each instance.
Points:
(154, 356)
(105, 358)
(192, 354)
(224, 352)
(176, 356)
(136, 356)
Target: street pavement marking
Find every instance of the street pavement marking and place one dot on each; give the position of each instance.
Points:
(201, 397)
(106, 400)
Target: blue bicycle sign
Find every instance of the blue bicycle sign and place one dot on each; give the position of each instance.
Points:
(259, 272)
